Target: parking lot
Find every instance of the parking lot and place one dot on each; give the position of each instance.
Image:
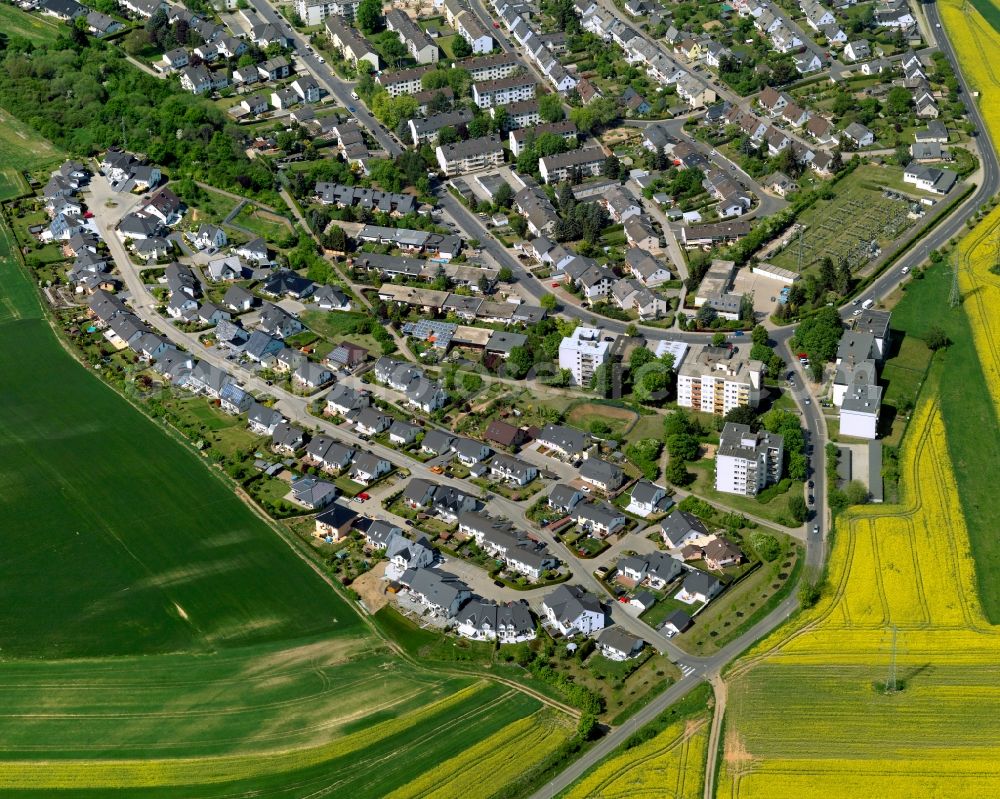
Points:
(765, 290)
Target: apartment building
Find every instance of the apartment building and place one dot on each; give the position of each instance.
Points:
(314, 12)
(490, 67)
(470, 155)
(351, 44)
(505, 91)
(583, 352)
(520, 137)
(472, 30)
(417, 43)
(403, 81)
(556, 168)
(719, 379)
(747, 462)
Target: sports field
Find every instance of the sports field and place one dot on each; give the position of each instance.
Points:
(160, 640)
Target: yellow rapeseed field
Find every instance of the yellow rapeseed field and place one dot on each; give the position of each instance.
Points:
(669, 766)
(977, 44)
(808, 714)
(494, 762)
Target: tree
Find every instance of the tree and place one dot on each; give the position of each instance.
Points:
(897, 101)
(765, 545)
(504, 196)
(797, 508)
(718, 339)
(550, 108)
(136, 41)
(819, 335)
(369, 16)
(640, 357)
(478, 126)
(759, 335)
(549, 302)
(743, 414)
(505, 275)
(706, 315)
(519, 362)
(678, 474)
(612, 167)
(461, 47)
(501, 120)
(856, 493)
(603, 381)
(935, 338)
(682, 447)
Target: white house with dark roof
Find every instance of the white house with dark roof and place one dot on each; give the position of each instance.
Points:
(512, 470)
(616, 644)
(647, 498)
(599, 517)
(572, 610)
(681, 528)
(367, 468)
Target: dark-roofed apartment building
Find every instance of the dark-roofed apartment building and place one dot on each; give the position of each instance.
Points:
(470, 155)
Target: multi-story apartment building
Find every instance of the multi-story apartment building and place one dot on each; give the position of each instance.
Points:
(556, 168)
(403, 81)
(490, 67)
(470, 155)
(505, 91)
(351, 44)
(417, 43)
(719, 379)
(583, 352)
(313, 12)
(747, 462)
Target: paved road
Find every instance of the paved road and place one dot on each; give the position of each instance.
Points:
(327, 78)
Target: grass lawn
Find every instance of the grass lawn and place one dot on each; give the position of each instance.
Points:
(272, 228)
(21, 149)
(776, 510)
(650, 426)
(338, 326)
(902, 376)
(744, 604)
(956, 376)
(619, 420)
(36, 28)
(447, 45)
(211, 206)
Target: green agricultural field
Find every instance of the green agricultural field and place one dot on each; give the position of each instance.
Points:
(166, 569)
(37, 29)
(843, 227)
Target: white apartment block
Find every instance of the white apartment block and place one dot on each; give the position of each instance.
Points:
(314, 12)
(747, 462)
(719, 379)
(583, 352)
(505, 91)
(490, 67)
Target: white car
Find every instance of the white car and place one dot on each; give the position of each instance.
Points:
(585, 490)
(320, 59)
(905, 269)
(857, 312)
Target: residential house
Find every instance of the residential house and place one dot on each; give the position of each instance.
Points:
(367, 468)
(572, 610)
(616, 644)
(440, 591)
(699, 587)
(564, 497)
(287, 438)
(512, 470)
(721, 552)
(262, 420)
(681, 528)
(312, 493)
(599, 473)
(599, 517)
